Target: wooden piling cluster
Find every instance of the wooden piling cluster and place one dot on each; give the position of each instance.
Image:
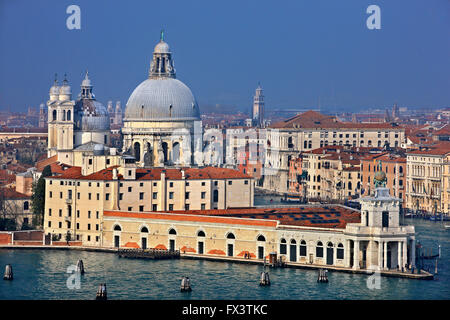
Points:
(322, 276)
(265, 279)
(8, 273)
(80, 266)
(101, 292)
(186, 284)
(148, 253)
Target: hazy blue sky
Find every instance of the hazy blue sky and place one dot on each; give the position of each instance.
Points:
(300, 50)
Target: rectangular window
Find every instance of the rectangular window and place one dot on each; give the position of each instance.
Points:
(49, 223)
(107, 197)
(155, 207)
(141, 196)
(141, 208)
(246, 181)
(130, 208)
(203, 206)
(171, 184)
(120, 196)
(60, 224)
(98, 196)
(385, 219)
(170, 195)
(130, 189)
(187, 195)
(187, 206)
(170, 207)
(78, 195)
(155, 195)
(141, 184)
(203, 184)
(78, 213)
(49, 212)
(78, 226)
(155, 184)
(89, 226)
(203, 194)
(50, 194)
(89, 214)
(60, 195)
(60, 212)
(89, 196)
(230, 183)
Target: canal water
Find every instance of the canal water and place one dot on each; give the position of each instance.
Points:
(42, 274)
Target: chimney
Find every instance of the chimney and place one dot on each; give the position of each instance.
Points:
(114, 172)
(182, 174)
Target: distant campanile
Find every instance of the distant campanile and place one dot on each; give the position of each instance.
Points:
(258, 107)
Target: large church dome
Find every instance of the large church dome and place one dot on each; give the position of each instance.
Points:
(161, 100)
(162, 97)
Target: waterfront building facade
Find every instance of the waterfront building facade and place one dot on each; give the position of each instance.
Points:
(312, 130)
(75, 202)
(426, 185)
(315, 235)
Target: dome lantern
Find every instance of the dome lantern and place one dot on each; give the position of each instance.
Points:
(162, 65)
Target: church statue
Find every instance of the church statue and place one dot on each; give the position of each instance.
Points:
(380, 179)
(160, 153)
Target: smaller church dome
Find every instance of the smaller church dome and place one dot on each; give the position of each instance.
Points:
(162, 47)
(65, 89)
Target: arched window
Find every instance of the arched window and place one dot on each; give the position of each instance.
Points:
(319, 250)
(349, 185)
(330, 245)
(69, 115)
(117, 228)
(318, 177)
(176, 152)
(200, 234)
(261, 238)
(172, 231)
(144, 230)
(293, 241)
(64, 115)
(340, 251)
(400, 169)
(165, 148)
(303, 248)
(54, 115)
(230, 236)
(283, 249)
(26, 205)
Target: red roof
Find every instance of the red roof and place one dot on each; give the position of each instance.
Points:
(11, 193)
(440, 149)
(312, 119)
(155, 174)
(332, 216)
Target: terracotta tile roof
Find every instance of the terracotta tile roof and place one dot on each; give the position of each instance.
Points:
(155, 174)
(11, 193)
(315, 120)
(331, 216)
(440, 149)
(385, 157)
(190, 216)
(40, 165)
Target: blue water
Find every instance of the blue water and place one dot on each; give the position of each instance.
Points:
(41, 274)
